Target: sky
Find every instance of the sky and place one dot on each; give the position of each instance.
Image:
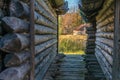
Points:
(72, 3)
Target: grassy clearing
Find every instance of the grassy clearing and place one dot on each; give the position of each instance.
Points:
(72, 44)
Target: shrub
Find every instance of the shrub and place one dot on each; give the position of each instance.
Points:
(72, 43)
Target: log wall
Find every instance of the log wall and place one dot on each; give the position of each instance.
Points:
(104, 38)
(15, 41)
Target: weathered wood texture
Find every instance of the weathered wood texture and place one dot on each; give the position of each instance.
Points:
(104, 38)
(90, 45)
(16, 40)
(116, 56)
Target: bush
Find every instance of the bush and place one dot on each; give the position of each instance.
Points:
(72, 43)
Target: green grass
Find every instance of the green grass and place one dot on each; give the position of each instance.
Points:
(72, 44)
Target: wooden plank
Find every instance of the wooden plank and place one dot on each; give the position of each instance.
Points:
(32, 40)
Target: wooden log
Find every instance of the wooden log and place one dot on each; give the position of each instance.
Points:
(109, 35)
(110, 12)
(105, 41)
(106, 22)
(44, 69)
(108, 28)
(105, 70)
(105, 47)
(19, 9)
(15, 73)
(107, 64)
(16, 25)
(46, 4)
(90, 32)
(42, 55)
(39, 19)
(106, 55)
(47, 7)
(43, 46)
(91, 40)
(90, 28)
(40, 9)
(42, 63)
(90, 44)
(106, 6)
(20, 57)
(15, 59)
(17, 42)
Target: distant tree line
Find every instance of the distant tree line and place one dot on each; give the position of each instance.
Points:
(68, 22)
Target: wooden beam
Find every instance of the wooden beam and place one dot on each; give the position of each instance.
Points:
(116, 58)
(32, 41)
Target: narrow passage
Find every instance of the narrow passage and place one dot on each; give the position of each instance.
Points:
(67, 67)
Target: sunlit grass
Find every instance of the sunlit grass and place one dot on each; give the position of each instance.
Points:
(72, 44)
(75, 53)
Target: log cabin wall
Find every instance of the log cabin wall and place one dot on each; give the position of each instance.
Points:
(15, 42)
(104, 38)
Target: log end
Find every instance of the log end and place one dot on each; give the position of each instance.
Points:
(11, 60)
(16, 9)
(10, 43)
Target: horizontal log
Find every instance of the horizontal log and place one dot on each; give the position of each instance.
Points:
(19, 9)
(104, 68)
(39, 19)
(90, 44)
(90, 51)
(15, 73)
(107, 28)
(43, 46)
(108, 57)
(47, 7)
(42, 64)
(40, 9)
(90, 47)
(109, 35)
(105, 41)
(16, 25)
(16, 59)
(44, 69)
(91, 40)
(110, 12)
(106, 6)
(90, 28)
(42, 55)
(90, 32)
(17, 42)
(46, 4)
(106, 22)
(105, 47)
(108, 66)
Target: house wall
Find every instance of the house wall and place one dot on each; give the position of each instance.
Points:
(104, 38)
(15, 41)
